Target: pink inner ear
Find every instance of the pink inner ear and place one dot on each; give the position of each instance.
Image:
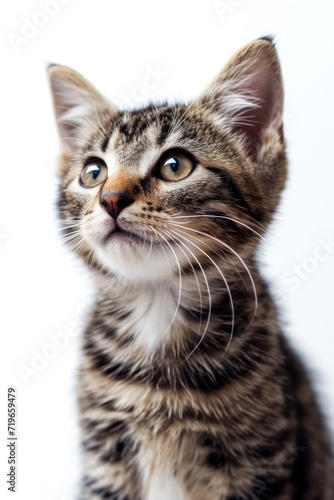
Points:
(247, 95)
(254, 120)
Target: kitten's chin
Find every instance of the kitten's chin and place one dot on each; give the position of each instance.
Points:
(136, 261)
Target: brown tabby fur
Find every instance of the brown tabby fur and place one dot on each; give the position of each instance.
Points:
(217, 403)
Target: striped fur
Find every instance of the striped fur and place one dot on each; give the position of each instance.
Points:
(188, 389)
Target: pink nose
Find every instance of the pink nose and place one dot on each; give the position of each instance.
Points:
(114, 203)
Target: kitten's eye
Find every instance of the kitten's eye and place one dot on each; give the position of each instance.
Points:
(175, 167)
(94, 173)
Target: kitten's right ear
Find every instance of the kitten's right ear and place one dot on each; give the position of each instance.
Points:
(78, 106)
(247, 98)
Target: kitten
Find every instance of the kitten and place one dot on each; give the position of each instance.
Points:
(187, 389)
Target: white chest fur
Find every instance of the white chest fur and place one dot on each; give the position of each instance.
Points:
(159, 461)
(165, 487)
(153, 311)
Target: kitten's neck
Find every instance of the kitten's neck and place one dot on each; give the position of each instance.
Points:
(175, 317)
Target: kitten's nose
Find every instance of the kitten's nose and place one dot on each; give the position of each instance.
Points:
(114, 203)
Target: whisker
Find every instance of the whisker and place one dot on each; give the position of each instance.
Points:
(209, 301)
(150, 249)
(180, 284)
(225, 281)
(194, 273)
(163, 249)
(241, 260)
(226, 218)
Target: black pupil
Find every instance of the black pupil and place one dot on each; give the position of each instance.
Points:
(174, 164)
(95, 172)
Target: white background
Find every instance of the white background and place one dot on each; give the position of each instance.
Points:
(44, 291)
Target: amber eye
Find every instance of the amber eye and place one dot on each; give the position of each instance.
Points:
(94, 173)
(175, 167)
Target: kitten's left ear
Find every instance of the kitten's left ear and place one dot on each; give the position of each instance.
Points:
(247, 96)
(78, 105)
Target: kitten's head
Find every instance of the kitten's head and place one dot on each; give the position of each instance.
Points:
(146, 193)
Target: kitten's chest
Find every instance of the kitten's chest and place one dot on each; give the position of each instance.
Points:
(150, 316)
(160, 461)
(165, 486)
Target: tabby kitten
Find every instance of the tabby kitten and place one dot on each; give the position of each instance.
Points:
(188, 390)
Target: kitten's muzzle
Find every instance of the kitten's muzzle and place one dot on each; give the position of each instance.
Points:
(115, 202)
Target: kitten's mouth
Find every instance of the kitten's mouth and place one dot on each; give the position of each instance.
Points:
(119, 234)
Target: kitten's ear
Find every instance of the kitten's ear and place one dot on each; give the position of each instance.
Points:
(247, 96)
(78, 105)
